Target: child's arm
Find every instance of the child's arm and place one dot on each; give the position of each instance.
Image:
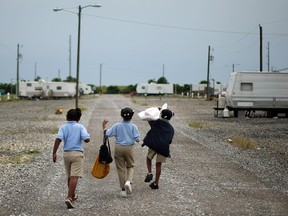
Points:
(56, 145)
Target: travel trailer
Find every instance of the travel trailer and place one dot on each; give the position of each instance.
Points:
(214, 89)
(43, 89)
(154, 88)
(60, 89)
(30, 89)
(86, 89)
(253, 91)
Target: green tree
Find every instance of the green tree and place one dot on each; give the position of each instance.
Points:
(70, 79)
(37, 78)
(8, 87)
(56, 79)
(151, 81)
(203, 82)
(162, 80)
(112, 90)
(128, 89)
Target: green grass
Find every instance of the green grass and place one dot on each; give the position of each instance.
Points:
(197, 124)
(55, 130)
(243, 142)
(18, 158)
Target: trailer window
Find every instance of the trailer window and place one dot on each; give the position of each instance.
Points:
(37, 88)
(246, 86)
(59, 87)
(29, 84)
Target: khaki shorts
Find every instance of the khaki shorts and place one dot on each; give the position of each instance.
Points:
(159, 158)
(74, 163)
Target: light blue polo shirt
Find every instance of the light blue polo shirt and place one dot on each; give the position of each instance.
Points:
(72, 134)
(125, 133)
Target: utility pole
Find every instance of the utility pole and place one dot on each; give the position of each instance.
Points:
(261, 51)
(208, 71)
(100, 80)
(35, 71)
(17, 75)
(163, 70)
(70, 55)
(268, 57)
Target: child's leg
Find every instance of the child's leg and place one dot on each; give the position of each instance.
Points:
(129, 153)
(72, 186)
(150, 155)
(158, 172)
(120, 165)
(74, 163)
(149, 165)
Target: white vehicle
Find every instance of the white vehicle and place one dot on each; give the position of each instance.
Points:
(60, 89)
(30, 89)
(251, 91)
(86, 89)
(214, 89)
(43, 89)
(154, 88)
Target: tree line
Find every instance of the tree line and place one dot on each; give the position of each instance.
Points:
(112, 89)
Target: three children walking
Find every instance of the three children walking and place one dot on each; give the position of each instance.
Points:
(158, 140)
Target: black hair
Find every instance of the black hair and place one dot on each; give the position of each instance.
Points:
(79, 113)
(72, 115)
(166, 114)
(127, 113)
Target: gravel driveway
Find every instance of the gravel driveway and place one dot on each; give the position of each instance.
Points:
(206, 175)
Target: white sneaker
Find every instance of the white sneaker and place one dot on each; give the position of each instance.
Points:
(128, 187)
(123, 194)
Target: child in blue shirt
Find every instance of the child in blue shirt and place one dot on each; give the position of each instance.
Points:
(125, 134)
(72, 134)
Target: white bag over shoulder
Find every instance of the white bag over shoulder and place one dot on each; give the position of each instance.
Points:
(152, 113)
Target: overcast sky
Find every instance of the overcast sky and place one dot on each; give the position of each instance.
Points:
(140, 40)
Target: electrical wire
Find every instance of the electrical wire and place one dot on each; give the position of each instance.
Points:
(179, 27)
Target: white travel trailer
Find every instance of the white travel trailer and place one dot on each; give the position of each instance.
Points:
(30, 89)
(86, 89)
(251, 91)
(154, 88)
(59, 89)
(43, 89)
(214, 89)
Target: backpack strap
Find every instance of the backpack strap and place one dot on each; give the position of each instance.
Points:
(106, 142)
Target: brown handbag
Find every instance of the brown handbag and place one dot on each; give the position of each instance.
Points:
(100, 170)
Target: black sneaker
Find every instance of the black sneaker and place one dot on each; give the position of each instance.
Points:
(149, 177)
(154, 186)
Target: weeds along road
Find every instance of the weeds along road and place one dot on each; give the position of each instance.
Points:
(198, 180)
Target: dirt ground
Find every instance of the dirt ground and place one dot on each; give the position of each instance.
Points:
(206, 175)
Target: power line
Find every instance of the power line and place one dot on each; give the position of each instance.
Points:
(179, 27)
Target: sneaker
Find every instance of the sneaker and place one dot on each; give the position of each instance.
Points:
(149, 177)
(69, 203)
(154, 186)
(123, 194)
(75, 198)
(128, 187)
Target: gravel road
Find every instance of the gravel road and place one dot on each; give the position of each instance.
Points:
(206, 175)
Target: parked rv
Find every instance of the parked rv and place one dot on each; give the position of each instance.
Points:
(258, 91)
(42, 89)
(30, 89)
(60, 89)
(154, 88)
(214, 89)
(85, 89)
